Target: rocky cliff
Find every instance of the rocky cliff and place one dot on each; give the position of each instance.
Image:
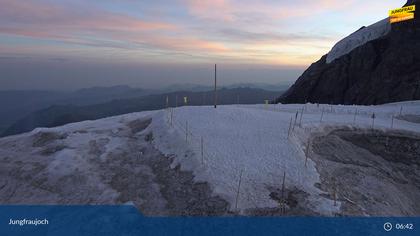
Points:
(375, 65)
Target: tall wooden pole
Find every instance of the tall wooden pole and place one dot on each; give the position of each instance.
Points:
(215, 86)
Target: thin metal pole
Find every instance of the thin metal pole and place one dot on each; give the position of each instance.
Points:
(215, 86)
(186, 131)
(172, 114)
(283, 200)
(290, 127)
(307, 151)
(354, 119)
(301, 115)
(237, 193)
(202, 151)
(392, 122)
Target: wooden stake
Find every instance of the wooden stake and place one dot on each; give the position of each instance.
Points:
(322, 115)
(354, 119)
(186, 131)
(237, 193)
(401, 110)
(392, 121)
(290, 127)
(301, 115)
(373, 120)
(172, 114)
(307, 152)
(283, 200)
(335, 197)
(202, 151)
(296, 116)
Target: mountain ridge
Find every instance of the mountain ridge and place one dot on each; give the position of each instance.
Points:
(383, 70)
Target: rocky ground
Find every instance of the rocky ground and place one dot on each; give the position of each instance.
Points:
(134, 173)
(370, 172)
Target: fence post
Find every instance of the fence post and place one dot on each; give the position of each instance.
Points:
(301, 115)
(308, 145)
(354, 119)
(373, 119)
(237, 193)
(172, 114)
(401, 110)
(283, 200)
(335, 193)
(392, 121)
(290, 127)
(202, 151)
(296, 116)
(186, 131)
(322, 115)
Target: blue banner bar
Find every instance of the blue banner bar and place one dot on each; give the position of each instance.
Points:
(126, 220)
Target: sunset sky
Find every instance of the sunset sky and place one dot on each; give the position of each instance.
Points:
(79, 43)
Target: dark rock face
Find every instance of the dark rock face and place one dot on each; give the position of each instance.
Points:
(383, 70)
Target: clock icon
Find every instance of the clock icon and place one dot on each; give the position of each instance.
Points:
(387, 226)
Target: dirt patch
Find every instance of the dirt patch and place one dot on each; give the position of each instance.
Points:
(139, 125)
(184, 196)
(41, 139)
(370, 172)
(292, 202)
(144, 176)
(51, 149)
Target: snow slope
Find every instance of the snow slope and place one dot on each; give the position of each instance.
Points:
(359, 38)
(254, 140)
(241, 143)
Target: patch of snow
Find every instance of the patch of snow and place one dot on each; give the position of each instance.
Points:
(359, 38)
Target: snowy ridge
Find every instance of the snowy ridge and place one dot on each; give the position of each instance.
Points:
(359, 38)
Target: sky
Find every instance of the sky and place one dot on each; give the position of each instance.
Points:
(70, 44)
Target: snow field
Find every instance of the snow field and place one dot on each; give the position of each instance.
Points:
(253, 140)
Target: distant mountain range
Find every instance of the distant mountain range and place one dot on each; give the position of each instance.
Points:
(197, 88)
(15, 105)
(57, 115)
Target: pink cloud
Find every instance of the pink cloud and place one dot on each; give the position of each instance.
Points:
(190, 44)
(29, 16)
(228, 10)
